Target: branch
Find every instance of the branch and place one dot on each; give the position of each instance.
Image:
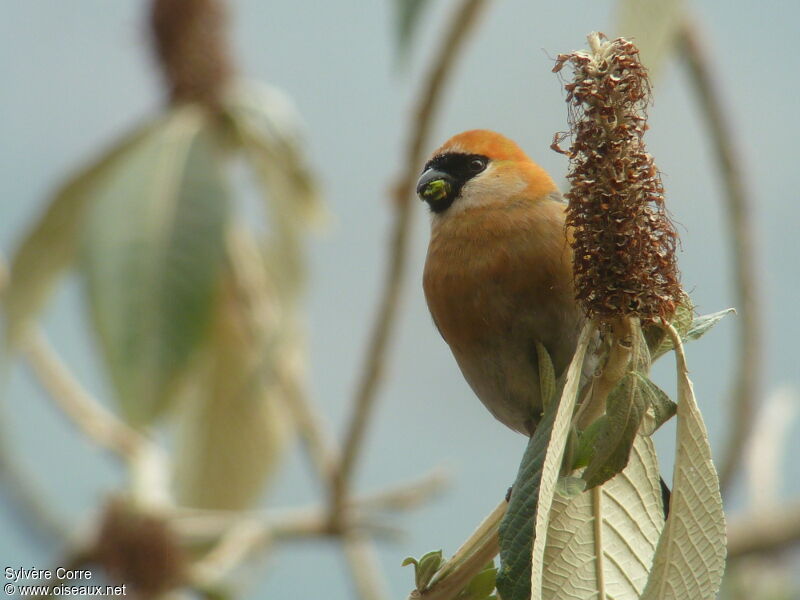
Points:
(746, 379)
(146, 461)
(466, 16)
(766, 531)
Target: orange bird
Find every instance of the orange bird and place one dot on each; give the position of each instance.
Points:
(498, 275)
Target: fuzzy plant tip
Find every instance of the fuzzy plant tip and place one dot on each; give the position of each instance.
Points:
(624, 243)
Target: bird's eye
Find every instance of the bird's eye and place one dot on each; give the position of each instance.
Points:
(476, 165)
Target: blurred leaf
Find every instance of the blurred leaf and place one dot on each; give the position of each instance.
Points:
(631, 518)
(271, 135)
(625, 408)
(690, 557)
(547, 375)
(408, 16)
(233, 429)
(652, 25)
(151, 254)
(50, 247)
(534, 487)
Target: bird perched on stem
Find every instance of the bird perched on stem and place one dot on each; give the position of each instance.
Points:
(498, 275)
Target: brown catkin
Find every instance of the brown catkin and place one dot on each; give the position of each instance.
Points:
(190, 44)
(624, 243)
(140, 550)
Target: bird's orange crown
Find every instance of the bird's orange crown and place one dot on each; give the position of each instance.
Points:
(507, 156)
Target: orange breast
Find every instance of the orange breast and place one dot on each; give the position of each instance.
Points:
(491, 271)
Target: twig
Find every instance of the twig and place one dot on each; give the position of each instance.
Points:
(404, 496)
(146, 461)
(466, 15)
(320, 447)
(364, 566)
(765, 531)
(746, 378)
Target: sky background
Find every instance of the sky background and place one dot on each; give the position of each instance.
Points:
(77, 74)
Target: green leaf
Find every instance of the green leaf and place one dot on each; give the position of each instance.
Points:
(481, 586)
(152, 248)
(547, 375)
(554, 459)
(660, 408)
(570, 486)
(690, 557)
(586, 442)
(657, 339)
(516, 528)
(703, 323)
(425, 568)
(625, 408)
(535, 486)
(50, 247)
(234, 426)
(409, 14)
(611, 530)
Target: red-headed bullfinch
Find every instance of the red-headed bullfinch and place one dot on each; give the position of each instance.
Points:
(498, 275)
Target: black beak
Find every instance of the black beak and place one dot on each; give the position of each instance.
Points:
(436, 188)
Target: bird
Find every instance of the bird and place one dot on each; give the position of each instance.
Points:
(498, 271)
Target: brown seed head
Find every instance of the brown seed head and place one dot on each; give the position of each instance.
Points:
(139, 549)
(624, 243)
(189, 39)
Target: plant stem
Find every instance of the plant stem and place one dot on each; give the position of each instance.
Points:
(465, 17)
(765, 531)
(473, 555)
(742, 246)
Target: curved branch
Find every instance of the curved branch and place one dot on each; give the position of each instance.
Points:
(466, 16)
(746, 379)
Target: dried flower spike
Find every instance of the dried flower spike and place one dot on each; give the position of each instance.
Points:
(624, 243)
(191, 47)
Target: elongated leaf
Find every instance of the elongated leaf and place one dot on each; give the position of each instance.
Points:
(271, 135)
(653, 26)
(409, 14)
(690, 557)
(612, 530)
(625, 409)
(540, 466)
(660, 408)
(235, 426)
(50, 247)
(690, 328)
(547, 375)
(516, 528)
(658, 341)
(151, 254)
(703, 323)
